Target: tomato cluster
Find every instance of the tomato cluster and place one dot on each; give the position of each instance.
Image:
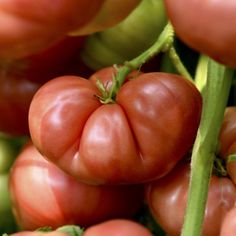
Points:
(100, 116)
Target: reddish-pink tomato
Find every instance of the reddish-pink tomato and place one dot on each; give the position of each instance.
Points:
(43, 195)
(206, 26)
(117, 227)
(228, 227)
(167, 198)
(30, 26)
(140, 137)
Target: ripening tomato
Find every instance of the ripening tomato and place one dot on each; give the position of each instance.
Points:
(8, 153)
(44, 195)
(206, 26)
(167, 199)
(228, 227)
(30, 26)
(140, 137)
(117, 227)
(7, 219)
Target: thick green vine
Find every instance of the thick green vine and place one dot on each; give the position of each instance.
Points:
(215, 87)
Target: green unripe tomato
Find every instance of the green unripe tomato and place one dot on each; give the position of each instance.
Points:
(8, 152)
(127, 39)
(7, 220)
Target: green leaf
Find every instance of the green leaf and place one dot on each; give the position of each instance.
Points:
(71, 230)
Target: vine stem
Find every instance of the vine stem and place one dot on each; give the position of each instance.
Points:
(162, 44)
(178, 63)
(215, 87)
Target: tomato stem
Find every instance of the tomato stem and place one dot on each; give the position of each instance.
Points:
(178, 64)
(163, 43)
(215, 91)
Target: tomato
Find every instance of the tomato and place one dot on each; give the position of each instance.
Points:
(20, 79)
(117, 227)
(111, 47)
(206, 26)
(228, 227)
(124, 142)
(8, 153)
(44, 195)
(167, 198)
(30, 27)
(7, 219)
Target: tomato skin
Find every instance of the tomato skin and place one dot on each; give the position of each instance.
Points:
(117, 227)
(121, 142)
(44, 195)
(167, 198)
(206, 26)
(228, 227)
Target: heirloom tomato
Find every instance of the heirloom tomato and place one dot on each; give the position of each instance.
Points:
(44, 195)
(30, 26)
(139, 137)
(228, 227)
(117, 227)
(206, 26)
(167, 199)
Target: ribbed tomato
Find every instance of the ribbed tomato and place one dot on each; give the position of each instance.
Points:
(140, 137)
